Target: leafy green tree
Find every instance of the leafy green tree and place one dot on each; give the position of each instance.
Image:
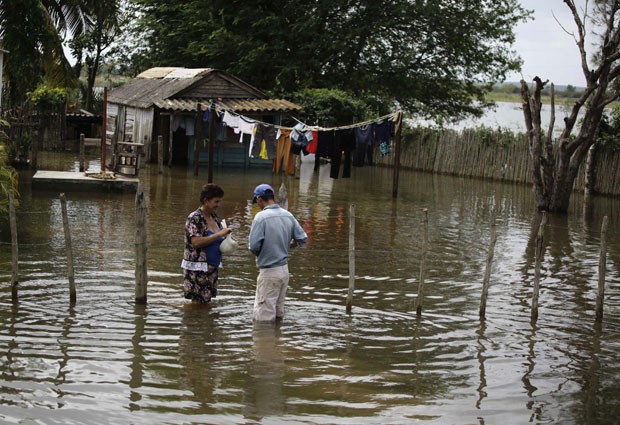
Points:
(33, 31)
(98, 40)
(329, 107)
(556, 163)
(428, 57)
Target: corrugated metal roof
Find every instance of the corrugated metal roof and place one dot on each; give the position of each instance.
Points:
(157, 72)
(234, 105)
(188, 72)
(158, 86)
(252, 105)
(143, 93)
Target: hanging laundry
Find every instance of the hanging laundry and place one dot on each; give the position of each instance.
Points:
(189, 125)
(178, 122)
(344, 143)
(230, 120)
(263, 149)
(383, 130)
(364, 144)
(312, 146)
(301, 136)
(265, 133)
(325, 141)
(284, 156)
(246, 126)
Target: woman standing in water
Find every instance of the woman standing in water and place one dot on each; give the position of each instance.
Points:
(203, 235)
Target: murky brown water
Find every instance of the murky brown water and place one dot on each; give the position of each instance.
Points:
(108, 361)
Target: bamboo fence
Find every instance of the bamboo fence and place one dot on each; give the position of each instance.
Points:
(496, 155)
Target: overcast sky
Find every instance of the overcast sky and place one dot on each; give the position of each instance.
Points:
(546, 49)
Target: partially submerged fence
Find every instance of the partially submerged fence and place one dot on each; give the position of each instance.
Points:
(141, 268)
(492, 154)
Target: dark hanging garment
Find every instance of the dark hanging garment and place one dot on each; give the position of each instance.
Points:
(364, 141)
(348, 146)
(370, 151)
(336, 155)
(359, 155)
(324, 144)
(326, 139)
(383, 130)
(268, 134)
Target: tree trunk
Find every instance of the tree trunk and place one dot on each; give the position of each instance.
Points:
(542, 167)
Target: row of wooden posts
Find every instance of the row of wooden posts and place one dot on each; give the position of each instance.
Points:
(140, 248)
(489, 261)
(141, 268)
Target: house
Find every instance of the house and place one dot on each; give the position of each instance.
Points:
(164, 102)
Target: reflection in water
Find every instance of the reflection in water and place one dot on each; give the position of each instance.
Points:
(481, 341)
(137, 359)
(199, 334)
(263, 395)
(64, 347)
(109, 361)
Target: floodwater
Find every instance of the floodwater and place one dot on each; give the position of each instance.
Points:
(107, 361)
(509, 116)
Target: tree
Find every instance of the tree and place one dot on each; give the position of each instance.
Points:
(33, 31)
(91, 47)
(428, 57)
(556, 164)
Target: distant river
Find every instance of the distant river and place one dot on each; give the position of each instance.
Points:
(509, 115)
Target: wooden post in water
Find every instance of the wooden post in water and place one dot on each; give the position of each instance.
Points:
(602, 270)
(539, 255)
(170, 137)
(160, 154)
(399, 125)
(283, 196)
(14, 264)
(351, 258)
(419, 300)
(487, 272)
(197, 138)
(104, 129)
(70, 273)
(82, 154)
(211, 140)
(141, 247)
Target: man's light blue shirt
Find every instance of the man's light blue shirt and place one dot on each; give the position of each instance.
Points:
(271, 234)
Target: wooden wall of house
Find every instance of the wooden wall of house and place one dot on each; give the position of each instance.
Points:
(220, 87)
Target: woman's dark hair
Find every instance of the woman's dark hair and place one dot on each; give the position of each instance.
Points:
(210, 191)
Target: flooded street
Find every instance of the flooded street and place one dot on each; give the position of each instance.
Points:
(108, 361)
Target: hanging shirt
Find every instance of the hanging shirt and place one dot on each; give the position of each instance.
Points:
(246, 126)
(364, 135)
(230, 120)
(301, 135)
(312, 146)
(383, 130)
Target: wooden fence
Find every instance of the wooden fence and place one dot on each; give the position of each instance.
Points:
(488, 154)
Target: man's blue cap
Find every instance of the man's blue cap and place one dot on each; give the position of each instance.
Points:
(262, 190)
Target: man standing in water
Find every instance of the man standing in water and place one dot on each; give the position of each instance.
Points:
(274, 230)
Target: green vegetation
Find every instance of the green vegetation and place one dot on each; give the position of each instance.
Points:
(8, 175)
(429, 58)
(511, 92)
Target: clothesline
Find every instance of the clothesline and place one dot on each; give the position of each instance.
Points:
(310, 127)
(344, 127)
